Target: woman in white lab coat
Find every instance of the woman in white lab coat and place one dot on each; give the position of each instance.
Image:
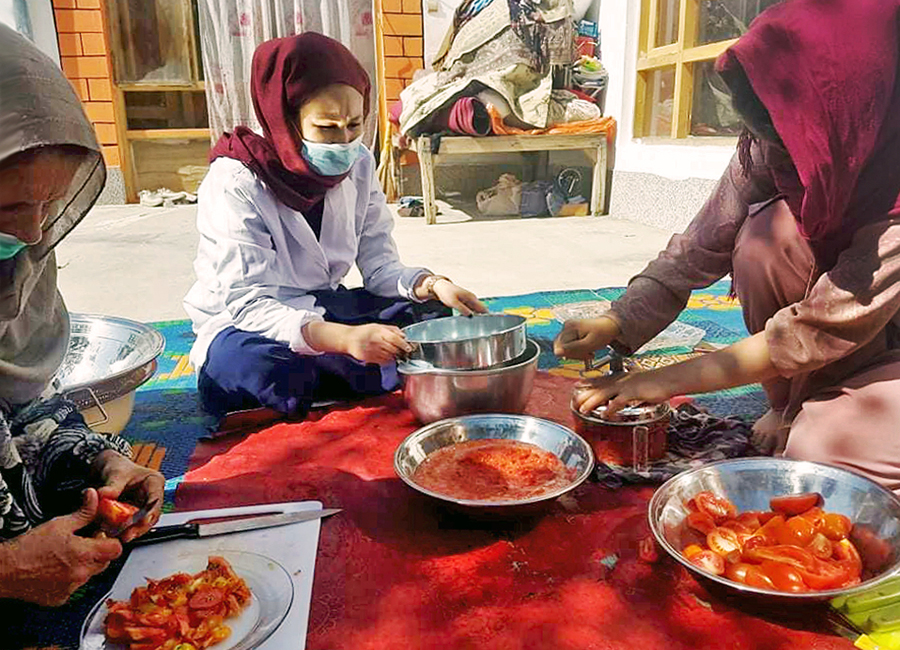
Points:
(283, 216)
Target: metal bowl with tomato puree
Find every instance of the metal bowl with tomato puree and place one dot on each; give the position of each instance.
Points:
(751, 483)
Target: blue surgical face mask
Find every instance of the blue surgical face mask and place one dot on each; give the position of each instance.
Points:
(10, 246)
(331, 159)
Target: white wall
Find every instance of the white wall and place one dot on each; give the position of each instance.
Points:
(34, 18)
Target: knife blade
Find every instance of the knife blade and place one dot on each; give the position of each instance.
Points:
(194, 530)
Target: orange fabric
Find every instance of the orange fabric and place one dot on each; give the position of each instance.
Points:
(605, 125)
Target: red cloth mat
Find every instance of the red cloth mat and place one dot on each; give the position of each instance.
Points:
(396, 571)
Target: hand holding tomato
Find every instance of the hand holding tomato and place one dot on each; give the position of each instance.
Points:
(48, 563)
(125, 481)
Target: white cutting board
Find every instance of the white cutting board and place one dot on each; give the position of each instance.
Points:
(293, 546)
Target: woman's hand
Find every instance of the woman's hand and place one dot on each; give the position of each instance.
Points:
(125, 481)
(579, 339)
(375, 343)
(622, 390)
(49, 562)
(462, 300)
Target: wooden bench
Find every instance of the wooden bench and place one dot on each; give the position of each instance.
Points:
(594, 144)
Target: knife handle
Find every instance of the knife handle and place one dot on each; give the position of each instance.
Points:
(167, 533)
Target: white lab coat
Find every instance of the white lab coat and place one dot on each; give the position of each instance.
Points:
(258, 259)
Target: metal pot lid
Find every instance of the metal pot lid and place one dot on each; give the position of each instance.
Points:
(639, 414)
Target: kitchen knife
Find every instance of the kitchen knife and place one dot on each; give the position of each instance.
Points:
(197, 530)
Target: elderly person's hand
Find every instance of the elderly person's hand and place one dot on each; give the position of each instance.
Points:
(123, 480)
(49, 562)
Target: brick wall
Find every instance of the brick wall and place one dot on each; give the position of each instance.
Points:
(84, 54)
(403, 46)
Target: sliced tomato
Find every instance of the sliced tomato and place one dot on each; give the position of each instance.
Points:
(786, 554)
(115, 513)
(751, 520)
(719, 508)
(756, 578)
(738, 571)
(783, 576)
(691, 550)
(771, 530)
(648, 550)
(876, 551)
(795, 504)
(820, 546)
(836, 526)
(206, 598)
(754, 541)
(845, 552)
(146, 634)
(723, 541)
(737, 526)
(765, 516)
(691, 505)
(816, 516)
(826, 575)
(796, 530)
(709, 562)
(702, 522)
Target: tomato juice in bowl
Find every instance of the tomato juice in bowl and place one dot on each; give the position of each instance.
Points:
(516, 464)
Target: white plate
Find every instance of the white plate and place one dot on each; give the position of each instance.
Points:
(270, 585)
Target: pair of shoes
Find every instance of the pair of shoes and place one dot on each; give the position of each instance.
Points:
(165, 198)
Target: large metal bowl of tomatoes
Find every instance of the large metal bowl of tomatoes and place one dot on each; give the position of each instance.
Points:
(774, 527)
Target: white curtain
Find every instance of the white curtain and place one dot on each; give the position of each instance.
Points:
(230, 31)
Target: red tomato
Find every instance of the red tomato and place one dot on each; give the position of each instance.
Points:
(877, 551)
(691, 550)
(206, 598)
(723, 541)
(719, 508)
(701, 521)
(115, 513)
(738, 571)
(647, 550)
(755, 542)
(835, 526)
(750, 520)
(820, 546)
(816, 516)
(826, 575)
(756, 578)
(765, 516)
(784, 553)
(691, 504)
(796, 530)
(771, 530)
(795, 504)
(784, 577)
(709, 562)
(845, 552)
(148, 634)
(737, 526)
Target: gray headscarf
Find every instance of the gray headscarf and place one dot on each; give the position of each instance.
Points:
(38, 108)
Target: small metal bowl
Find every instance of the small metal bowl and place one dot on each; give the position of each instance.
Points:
(749, 483)
(434, 393)
(467, 342)
(568, 446)
(108, 358)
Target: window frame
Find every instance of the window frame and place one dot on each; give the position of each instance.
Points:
(682, 54)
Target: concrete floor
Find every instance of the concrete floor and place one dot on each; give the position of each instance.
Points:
(136, 262)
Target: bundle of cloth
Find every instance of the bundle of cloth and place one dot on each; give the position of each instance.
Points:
(496, 53)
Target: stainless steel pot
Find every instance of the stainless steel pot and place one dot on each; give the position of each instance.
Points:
(435, 394)
(467, 342)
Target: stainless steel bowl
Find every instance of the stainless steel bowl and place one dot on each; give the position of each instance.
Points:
(749, 483)
(434, 393)
(107, 359)
(467, 342)
(570, 448)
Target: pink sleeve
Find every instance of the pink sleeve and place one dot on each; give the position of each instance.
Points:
(693, 260)
(846, 308)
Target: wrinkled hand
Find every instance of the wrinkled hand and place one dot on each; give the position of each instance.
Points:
(124, 480)
(48, 563)
(463, 300)
(770, 434)
(376, 343)
(579, 339)
(619, 391)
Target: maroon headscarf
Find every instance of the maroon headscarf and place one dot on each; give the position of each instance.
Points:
(827, 72)
(285, 73)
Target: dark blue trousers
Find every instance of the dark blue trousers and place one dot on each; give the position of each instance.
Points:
(245, 371)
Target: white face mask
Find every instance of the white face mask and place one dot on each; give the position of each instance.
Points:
(331, 159)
